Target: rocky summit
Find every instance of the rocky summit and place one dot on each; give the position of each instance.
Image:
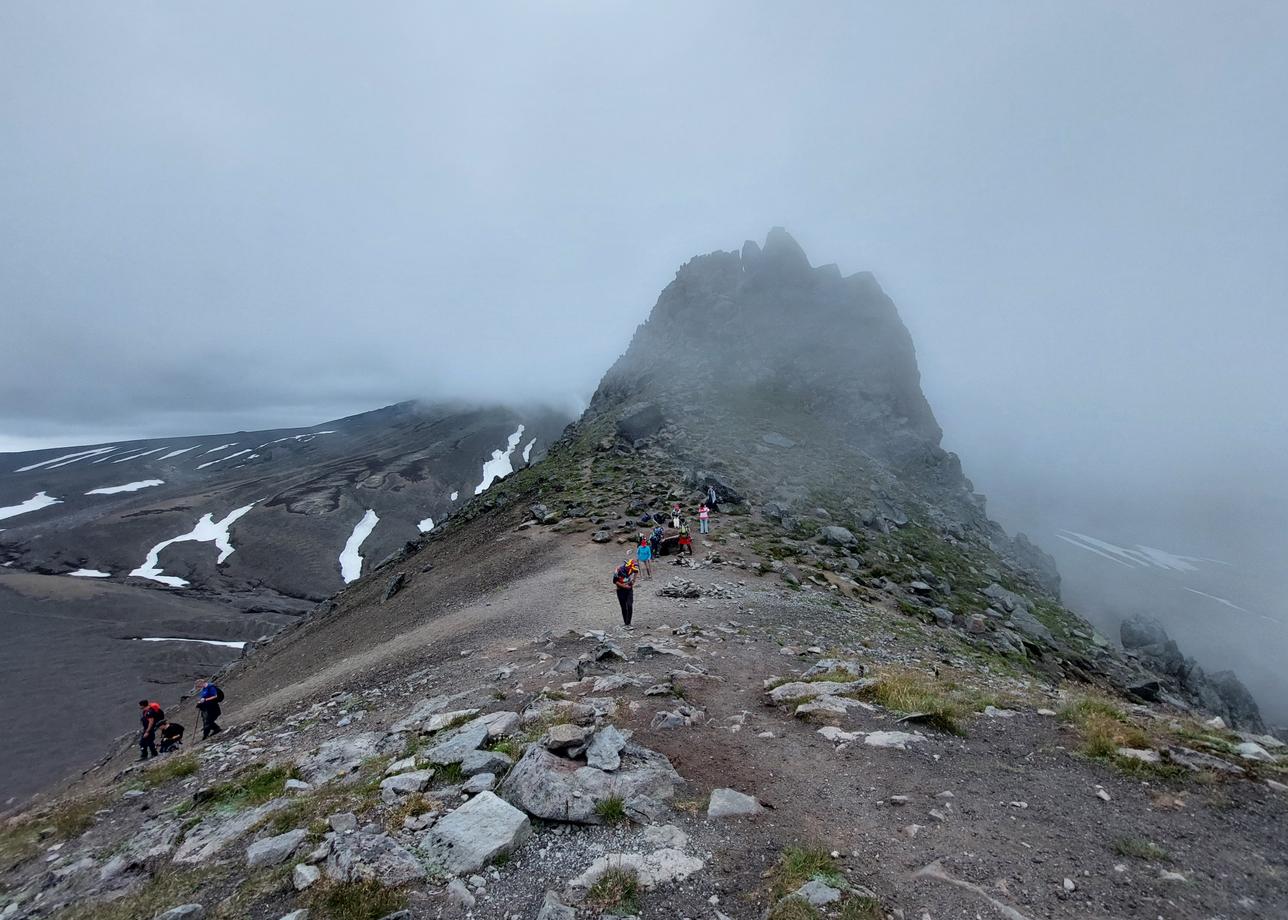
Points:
(856, 698)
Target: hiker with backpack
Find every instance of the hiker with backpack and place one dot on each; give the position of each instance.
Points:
(711, 498)
(655, 540)
(208, 702)
(624, 582)
(150, 716)
(686, 540)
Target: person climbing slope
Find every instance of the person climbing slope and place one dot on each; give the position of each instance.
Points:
(150, 716)
(208, 700)
(686, 540)
(655, 540)
(644, 553)
(171, 736)
(624, 582)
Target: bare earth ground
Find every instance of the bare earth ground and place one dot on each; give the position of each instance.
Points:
(1015, 808)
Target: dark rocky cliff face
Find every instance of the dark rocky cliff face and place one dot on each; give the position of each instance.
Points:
(802, 385)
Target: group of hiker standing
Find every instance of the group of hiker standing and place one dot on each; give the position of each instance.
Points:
(650, 545)
(156, 727)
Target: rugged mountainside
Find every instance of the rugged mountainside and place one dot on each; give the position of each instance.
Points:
(856, 700)
(224, 538)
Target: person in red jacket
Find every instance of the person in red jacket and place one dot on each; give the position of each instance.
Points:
(150, 716)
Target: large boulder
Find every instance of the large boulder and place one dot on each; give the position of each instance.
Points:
(272, 851)
(558, 789)
(459, 744)
(473, 835)
(839, 536)
(371, 857)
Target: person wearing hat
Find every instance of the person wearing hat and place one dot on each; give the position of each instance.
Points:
(624, 582)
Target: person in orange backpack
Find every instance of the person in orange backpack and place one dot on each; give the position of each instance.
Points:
(150, 716)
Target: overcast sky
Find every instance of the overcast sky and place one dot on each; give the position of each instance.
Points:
(241, 215)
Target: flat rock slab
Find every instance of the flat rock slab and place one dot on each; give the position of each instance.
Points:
(393, 787)
(604, 750)
(340, 756)
(455, 747)
(212, 835)
(272, 851)
(473, 835)
(375, 857)
(557, 789)
(651, 870)
(730, 803)
(896, 740)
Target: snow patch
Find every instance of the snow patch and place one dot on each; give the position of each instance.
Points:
(128, 487)
(202, 466)
(202, 641)
(1140, 557)
(65, 459)
(426, 525)
(527, 450)
(206, 530)
(454, 494)
(89, 573)
(155, 450)
(303, 438)
(500, 464)
(35, 503)
(175, 453)
(350, 560)
(219, 448)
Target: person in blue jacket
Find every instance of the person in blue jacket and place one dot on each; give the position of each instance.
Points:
(208, 700)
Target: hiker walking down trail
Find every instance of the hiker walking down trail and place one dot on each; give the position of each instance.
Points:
(644, 554)
(150, 716)
(704, 515)
(686, 540)
(711, 498)
(624, 582)
(655, 540)
(209, 698)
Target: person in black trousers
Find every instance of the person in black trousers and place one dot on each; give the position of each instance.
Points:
(624, 582)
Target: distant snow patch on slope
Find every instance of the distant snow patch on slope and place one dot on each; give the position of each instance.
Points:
(128, 487)
(202, 466)
(206, 530)
(35, 503)
(303, 438)
(155, 450)
(65, 459)
(527, 450)
(426, 525)
(500, 464)
(350, 560)
(220, 447)
(175, 453)
(89, 573)
(454, 494)
(1139, 557)
(202, 641)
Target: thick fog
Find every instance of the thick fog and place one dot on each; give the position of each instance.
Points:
(244, 215)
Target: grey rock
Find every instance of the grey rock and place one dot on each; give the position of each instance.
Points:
(396, 584)
(816, 893)
(730, 803)
(561, 737)
(554, 909)
(476, 833)
(339, 756)
(1031, 626)
(304, 875)
(453, 749)
(838, 536)
(301, 914)
(213, 834)
(557, 789)
(394, 787)
(459, 896)
(479, 782)
(296, 785)
(274, 850)
(362, 856)
(604, 751)
(183, 912)
(477, 762)
(343, 822)
(601, 536)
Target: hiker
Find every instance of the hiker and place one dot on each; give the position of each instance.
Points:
(655, 540)
(624, 582)
(675, 516)
(171, 736)
(711, 498)
(686, 541)
(209, 698)
(644, 553)
(704, 514)
(150, 716)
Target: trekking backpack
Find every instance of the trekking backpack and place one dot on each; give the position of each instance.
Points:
(219, 695)
(156, 712)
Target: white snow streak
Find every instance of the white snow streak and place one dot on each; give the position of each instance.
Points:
(202, 641)
(35, 503)
(155, 450)
(175, 453)
(300, 437)
(206, 530)
(202, 466)
(65, 459)
(128, 487)
(454, 494)
(527, 450)
(426, 525)
(500, 464)
(1140, 557)
(220, 447)
(350, 560)
(89, 573)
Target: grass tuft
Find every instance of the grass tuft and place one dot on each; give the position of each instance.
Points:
(912, 692)
(798, 865)
(175, 766)
(617, 892)
(364, 900)
(611, 810)
(1138, 848)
